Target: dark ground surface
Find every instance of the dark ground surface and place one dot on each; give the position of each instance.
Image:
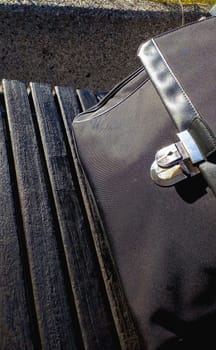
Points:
(79, 46)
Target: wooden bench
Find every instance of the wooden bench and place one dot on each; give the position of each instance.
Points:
(57, 287)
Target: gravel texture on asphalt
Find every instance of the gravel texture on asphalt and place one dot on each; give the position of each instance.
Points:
(133, 5)
(84, 43)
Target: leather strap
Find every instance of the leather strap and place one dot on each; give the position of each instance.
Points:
(168, 87)
(180, 107)
(212, 12)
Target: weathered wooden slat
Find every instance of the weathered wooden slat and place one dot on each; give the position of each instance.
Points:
(15, 291)
(57, 321)
(124, 323)
(87, 98)
(94, 314)
(63, 299)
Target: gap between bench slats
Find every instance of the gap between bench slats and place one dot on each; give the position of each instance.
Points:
(15, 290)
(53, 300)
(92, 306)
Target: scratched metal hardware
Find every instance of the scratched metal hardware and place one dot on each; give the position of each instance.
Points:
(177, 161)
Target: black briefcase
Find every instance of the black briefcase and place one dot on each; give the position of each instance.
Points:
(146, 158)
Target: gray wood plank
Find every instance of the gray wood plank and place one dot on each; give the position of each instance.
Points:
(53, 301)
(126, 329)
(15, 290)
(87, 98)
(93, 309)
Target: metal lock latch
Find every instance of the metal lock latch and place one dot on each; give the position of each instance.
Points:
(176, 162)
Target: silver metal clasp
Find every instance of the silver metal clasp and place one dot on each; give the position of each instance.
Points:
(177, 161)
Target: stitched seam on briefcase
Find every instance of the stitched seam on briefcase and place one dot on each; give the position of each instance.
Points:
(112, 93)
(183, 27)
(176, 80)
(198, 119)
(116, 105)
(209, 134)
(201, 119)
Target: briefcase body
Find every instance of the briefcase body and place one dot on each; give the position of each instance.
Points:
(146, 156)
